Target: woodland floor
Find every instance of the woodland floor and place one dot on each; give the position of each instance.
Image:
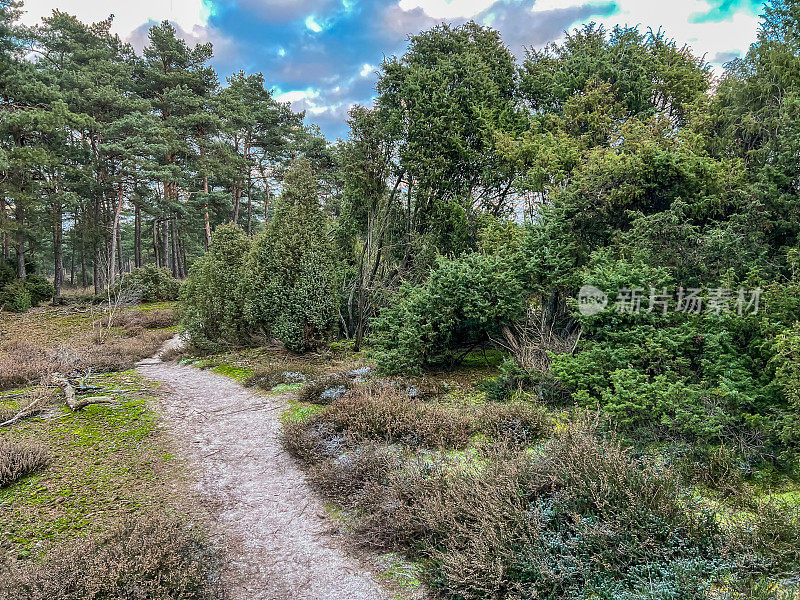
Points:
(281, 545)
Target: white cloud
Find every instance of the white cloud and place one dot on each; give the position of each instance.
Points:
(367, 70)
(724, 38)
(294, 96)
(312, 24)
(447, 9)
(128, 16)
(734, 34)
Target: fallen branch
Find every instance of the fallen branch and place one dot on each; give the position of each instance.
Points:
(69, 396)
(71, 399)
(28, 411)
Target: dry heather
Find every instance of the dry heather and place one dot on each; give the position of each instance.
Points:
(577, 513)
(271, 371)
(18, 460)
(136, 320)
(152, 556)
(384, 413)
(31, 350)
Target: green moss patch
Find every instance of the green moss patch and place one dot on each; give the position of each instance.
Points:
(107, 461)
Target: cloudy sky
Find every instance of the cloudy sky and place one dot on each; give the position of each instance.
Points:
(322, 55)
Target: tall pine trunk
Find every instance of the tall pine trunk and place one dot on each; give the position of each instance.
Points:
(58, 251)
(165, 240)
(20, 218)
(137, 236)
(156, 245)
(112, 259)
(206, 219)
(5, 239)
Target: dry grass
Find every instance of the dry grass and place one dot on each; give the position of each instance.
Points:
(136, 320)
(501, 521)
(325, 389)
(151, 556)
(18, 460)
(68, 339)
(268, 372)
(384, 413)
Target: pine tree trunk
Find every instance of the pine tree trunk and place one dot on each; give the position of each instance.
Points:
(206, 219)
(97, 271)
(72, 260)
(237, 199)
(58, 251)
(20, 218)
(5, 240)
(120, 258)
(112, 259)
(165, 240)
(137, 236)
(174, 249)
(249, 204)
(156, 252)
(84, 279)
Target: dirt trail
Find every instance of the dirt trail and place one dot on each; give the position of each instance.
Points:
(279, 541)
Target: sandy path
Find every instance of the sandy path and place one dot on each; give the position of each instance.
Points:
(280, 543)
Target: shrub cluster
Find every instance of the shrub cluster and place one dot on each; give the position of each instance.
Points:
(210, 305)
(18, 460)
(386, 414)
(18, 295)
(150, 284)
(149, 557)
(22, 362)
(463, 302)
(578, 518)
(282, 285)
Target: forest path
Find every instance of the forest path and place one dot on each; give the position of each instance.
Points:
(280, 543)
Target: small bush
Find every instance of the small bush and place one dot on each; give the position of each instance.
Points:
(326, 389)
(136, 320)
(464, 301)
(40, 288)
(150, 284)
(16, 297)
(19, 295)
(266, 375)
(289, 281)
(384, 413)
(17, 460)
(153, 557)
(210, 307)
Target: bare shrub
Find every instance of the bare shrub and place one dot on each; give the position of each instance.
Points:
(18, 460)
(6, 412)
(20, 363)
(385, 413)
(117, 354)
(766, 537)
(355, 476)
(532, 339)
(153, 557)
(266, 375)
(499, 521)
(136, 320)
(326, 389)
(23, 362)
